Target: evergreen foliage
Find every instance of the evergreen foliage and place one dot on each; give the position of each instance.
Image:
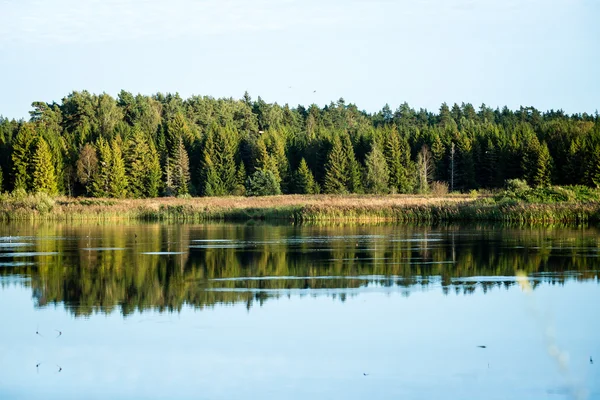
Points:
(144, 146)
(44, 177)
(377, 176)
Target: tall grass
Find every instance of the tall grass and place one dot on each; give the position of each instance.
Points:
(306, 209)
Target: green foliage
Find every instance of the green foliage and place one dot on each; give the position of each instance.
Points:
(377, 176)
(22, 156)
(92, 139)
(304, 182)
(337, 168)
(178, 172)
(44, 177)
(262, 183)
(118, 180)
(142, 165)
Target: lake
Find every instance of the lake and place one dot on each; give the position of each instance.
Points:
(222, 311)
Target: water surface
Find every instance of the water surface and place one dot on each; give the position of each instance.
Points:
(152, 311)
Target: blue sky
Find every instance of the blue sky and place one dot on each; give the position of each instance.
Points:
(542, 53)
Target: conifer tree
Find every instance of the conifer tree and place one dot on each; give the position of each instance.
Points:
(143, 167)
(211, 182)
(377, 177)
(304, 182)
(397, 155)
(22, 156)
(224, 159)
(543, 167)
(44, 176)
(118, 181)
(593, 167)
(101, 181)
(1, 180)
(240, 180)
(353, 171)
(336, 169)
(180, 170)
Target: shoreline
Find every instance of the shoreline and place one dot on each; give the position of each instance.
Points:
(301, 209)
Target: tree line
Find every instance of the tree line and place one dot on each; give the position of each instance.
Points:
(163, 145)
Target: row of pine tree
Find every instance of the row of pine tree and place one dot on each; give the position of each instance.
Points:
(163, 145)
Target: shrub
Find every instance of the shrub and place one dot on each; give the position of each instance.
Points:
(262, 183)
(439, 188)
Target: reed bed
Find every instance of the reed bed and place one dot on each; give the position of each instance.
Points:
(299, 209)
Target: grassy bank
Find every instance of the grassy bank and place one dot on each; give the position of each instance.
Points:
(521, 205)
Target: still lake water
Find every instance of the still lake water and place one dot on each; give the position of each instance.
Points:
(159, 311)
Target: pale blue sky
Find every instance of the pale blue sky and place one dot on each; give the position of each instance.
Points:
(543, 53)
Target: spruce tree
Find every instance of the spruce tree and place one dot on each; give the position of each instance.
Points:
(224, 158)
(180, 165)
(397, 155)
(44, 176)
(211, 182)
(22, 156)
(142, 165)
(304, 182)
(240, 180)
(118, 181)
(336, 169)
(1, 180)
(153, 174)
(137, 162)
(542, 168)
(593, 165)
(101, 182)
(377, 177)
(353, 171)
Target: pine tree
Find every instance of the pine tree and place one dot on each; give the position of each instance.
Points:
(336, 169)
(304, 182)
(22, 156)
(44, 176)
(377, 177)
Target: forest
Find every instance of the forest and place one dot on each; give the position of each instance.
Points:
(138, 146)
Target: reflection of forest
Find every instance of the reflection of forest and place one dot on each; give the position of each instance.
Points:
(216, 259)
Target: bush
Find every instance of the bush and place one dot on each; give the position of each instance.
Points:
(439, 188)
(262, 183)
(516, 185)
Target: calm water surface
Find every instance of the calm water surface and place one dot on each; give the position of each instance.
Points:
(157, 311)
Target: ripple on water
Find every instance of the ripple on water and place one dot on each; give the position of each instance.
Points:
(14, 244)
(163, 253)
(12, 264)
(103, 248)
(29, 254)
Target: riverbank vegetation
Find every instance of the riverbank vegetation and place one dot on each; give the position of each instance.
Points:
(518, 203)
(162, 145)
